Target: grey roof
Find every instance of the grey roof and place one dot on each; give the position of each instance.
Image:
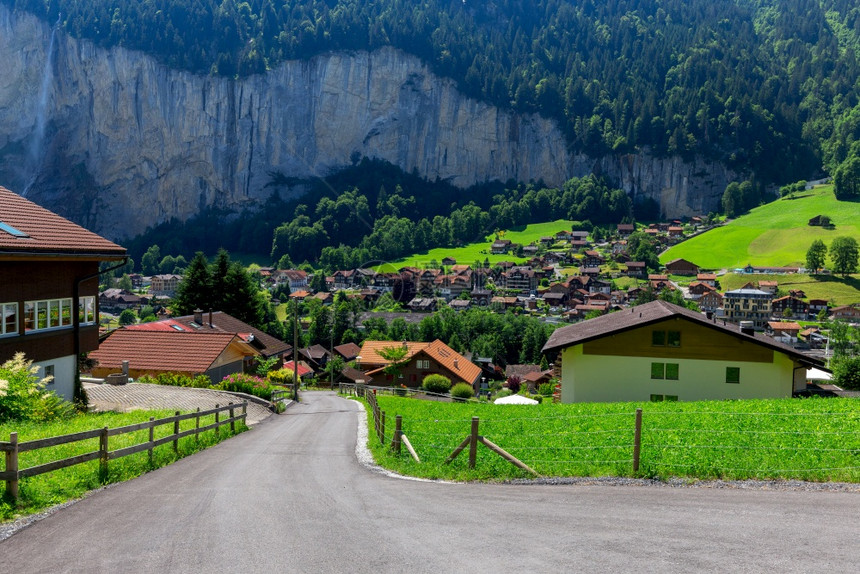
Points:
(654, 312)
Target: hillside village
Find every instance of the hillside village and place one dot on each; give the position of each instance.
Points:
(563, 278)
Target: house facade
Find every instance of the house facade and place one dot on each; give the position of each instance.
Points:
(748, 305)
(660, 351)
(421, 359)
(49, 270)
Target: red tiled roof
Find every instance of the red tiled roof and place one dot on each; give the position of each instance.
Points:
(46, 232)
(221, 323)
(164, 351)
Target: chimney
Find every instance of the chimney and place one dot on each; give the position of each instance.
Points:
(125, 368)
(198, 316)
(210, 318)
(457, 364)
(747, 328)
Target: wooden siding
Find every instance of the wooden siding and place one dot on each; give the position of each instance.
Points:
(697, 342)
(34, 281)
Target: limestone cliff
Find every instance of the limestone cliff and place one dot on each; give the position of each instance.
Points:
(117, 142)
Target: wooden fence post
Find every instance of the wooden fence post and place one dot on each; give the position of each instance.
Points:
(382, 427)
(245, 412)
(103, 453)
(12, 466)
(473, 443)
(197, 426)
(232, 422)
(176, 433)
(151, 437)
(398, 422)
(637, 440)
(217, 420)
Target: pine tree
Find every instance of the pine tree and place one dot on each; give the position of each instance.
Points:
(195, 289)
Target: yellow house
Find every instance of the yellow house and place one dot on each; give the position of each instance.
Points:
(660, 351)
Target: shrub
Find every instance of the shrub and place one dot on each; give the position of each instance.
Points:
(462, 391)
(436, 384)
(502, 393)
(249, 384)
(545, 389)
(538, 398)
(177, 380)
(23, 395)
(846, 373)
(281, 377)
(514, 383)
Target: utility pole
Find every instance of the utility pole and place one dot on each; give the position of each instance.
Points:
(296, 349)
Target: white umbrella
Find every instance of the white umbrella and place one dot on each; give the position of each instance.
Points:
(814, 374)
(515, 400)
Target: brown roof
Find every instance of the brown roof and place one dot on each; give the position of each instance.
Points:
(164, 350)
(654, 312)
(27, 229)
(784, 326)
(348, 351)
(222, 322)
(437, 350)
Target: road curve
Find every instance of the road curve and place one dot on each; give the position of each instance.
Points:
(290, 496)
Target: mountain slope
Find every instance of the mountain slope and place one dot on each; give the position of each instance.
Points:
(752, 83)
(775, 234)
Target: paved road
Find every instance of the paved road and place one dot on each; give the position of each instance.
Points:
(290, 496)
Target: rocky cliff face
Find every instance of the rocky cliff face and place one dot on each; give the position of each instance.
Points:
(117, 142)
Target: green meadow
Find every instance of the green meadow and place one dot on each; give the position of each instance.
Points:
(775, 234)
(782, 439)
(479, 251)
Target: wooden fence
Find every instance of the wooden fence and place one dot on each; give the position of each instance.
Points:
(13, 474)
(472, 441)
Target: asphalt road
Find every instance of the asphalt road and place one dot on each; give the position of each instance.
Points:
(290, 496)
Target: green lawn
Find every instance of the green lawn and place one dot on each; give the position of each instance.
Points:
(806, 439)
(468, 254)
(775, 234)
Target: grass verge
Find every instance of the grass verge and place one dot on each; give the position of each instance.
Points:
(798, 439)
(40, 492)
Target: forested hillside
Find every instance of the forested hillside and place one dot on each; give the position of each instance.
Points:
(762, 84)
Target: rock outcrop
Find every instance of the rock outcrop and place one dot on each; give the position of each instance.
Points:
(118, 142)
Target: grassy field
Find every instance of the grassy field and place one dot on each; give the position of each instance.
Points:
(479, 251)
(805, 439)
(43, 491)
(839, 290)
(775, 234)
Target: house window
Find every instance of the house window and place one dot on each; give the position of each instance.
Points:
(48, 314)
(666, 338)
(49, 372)
(733, 375)
(662, 398)
(8, 318)
(668, 371)
(87, 310)
(423, 363)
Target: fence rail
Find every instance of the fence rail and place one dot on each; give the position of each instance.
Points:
(12, 474)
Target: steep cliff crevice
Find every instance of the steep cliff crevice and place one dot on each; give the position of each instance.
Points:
(150, 143)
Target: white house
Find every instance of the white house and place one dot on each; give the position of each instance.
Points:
(660, 351)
